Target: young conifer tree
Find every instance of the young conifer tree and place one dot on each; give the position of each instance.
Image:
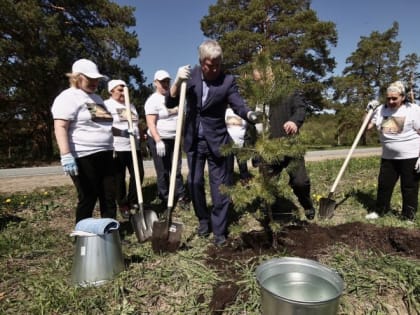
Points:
(263, 83)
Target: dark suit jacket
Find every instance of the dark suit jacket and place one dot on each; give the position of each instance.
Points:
(222, 92)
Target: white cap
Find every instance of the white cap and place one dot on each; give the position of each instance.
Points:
(161, 75)
(87, 68)
(113, 83)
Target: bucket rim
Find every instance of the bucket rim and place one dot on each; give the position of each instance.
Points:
(339, 284)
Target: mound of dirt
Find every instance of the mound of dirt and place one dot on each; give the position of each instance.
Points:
(307, 241)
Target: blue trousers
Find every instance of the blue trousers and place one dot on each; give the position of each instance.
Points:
(220, 173)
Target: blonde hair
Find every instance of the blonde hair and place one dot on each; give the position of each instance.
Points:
(396, 87)
(74, 79)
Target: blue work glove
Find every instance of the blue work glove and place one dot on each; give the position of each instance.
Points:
(372, 105)
(69, 164)
(160, 148)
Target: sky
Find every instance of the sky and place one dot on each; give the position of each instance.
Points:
(169, 30)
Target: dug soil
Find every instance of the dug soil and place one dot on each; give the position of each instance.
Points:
(306, 241)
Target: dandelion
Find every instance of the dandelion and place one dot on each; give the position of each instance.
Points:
(45, 193)
(8, 200)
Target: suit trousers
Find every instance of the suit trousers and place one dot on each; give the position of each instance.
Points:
(390, 171)
(96, 181)
(220, 173)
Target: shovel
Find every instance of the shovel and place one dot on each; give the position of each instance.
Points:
(167, 234)
(328, 205)
(142, 220)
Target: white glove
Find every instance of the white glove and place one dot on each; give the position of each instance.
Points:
(69, 165)
(160, 148)
(417, 166)
(182, 74)
(372, 105)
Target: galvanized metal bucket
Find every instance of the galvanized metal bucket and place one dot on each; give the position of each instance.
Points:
(97, 259)
(291, 286)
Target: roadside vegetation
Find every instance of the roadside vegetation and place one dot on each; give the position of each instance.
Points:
(36, 255)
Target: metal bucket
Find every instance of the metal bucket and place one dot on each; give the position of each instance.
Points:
(97, 259)
(292, 286)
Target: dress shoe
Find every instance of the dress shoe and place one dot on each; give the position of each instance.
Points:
(219, 240)
(203, 230)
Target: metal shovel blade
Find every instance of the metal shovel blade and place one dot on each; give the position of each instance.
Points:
(166, 236)
(326, 208)
(142, 223)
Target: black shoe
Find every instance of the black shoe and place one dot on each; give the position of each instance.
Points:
(203, 230)
(184, 203)
(310, 213)
(125, 211)
(219, 240)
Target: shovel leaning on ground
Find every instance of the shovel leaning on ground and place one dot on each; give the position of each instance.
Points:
(328, 205)
(142, 221)
(166, 235)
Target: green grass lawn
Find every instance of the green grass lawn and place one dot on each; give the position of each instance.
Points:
(36, 256)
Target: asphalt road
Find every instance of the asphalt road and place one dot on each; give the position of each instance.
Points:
(30, 178)
(148, 164)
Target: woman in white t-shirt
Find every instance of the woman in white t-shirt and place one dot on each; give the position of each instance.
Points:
(82, 126)
(161, 124)
(126, 200)
(398, 124)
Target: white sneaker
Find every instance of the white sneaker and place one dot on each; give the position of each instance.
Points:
(372, 216)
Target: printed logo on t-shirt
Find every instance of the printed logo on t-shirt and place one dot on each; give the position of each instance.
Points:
(122, 114)
(392, 125)
(99, 112)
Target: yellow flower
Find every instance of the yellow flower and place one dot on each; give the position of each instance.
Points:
(45, 193)
(8, 200)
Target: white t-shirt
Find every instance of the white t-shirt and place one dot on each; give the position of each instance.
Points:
(90, 122)
(119, 113)
(236, 127)
(166, 119)
(398, 131)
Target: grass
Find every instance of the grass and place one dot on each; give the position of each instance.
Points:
(36, 254)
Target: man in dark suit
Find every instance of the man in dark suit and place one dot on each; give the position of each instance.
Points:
(209, 92)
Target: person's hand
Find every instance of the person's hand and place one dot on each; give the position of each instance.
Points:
(290, 127)
(417, 166)
(182, 74)
(254, 117)
(372, 105)
(160, 148)
(69, 165)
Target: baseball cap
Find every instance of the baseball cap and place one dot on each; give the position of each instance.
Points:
(87, 68)
(113, 83)
(161, 75)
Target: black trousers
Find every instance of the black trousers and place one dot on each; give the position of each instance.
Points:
(390, 171)
(123, 162)
(298, 178)
(163, 166)
(96, 181)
